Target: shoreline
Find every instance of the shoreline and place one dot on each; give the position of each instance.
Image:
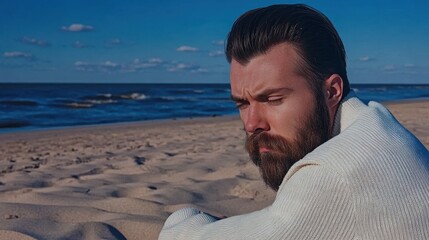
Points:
(13, 131)
(155, 122)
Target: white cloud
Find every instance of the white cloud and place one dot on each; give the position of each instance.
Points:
(218, 42)
(155, 60)
(216, 53)
(81, 64)
(406, 69)
(113, 42)
(107, 66)
(35, 41)
(151, 63)
(138, 65)
(180, 67)
(77, 27)
(18, 55)
(389, 68)
(84, 66)
(366, 59)
(79, 44)
(187, 49)
(110, 66)
(199, 70)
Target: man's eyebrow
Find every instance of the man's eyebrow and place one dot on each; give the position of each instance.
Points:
(237, 99)
(267, 92)
(263, 95)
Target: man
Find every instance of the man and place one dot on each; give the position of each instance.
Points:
(341, 169)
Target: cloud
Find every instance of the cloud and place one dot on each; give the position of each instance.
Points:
(389, 68)
(79, 44)
(366, 59)
(35, 42)
(107, 66)
(218, 42)
(110, 66)
(199, 70)
(217, 53)
(84, 66)
(77, 27)
(24, 55)
(187, 49)
(193, 68)
(138, 65)
(178, 67)
(155, 60)
(112, 42)
(406, 69)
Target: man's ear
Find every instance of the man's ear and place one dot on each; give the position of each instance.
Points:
(333, 87)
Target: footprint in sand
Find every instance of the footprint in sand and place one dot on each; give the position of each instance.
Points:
(170, 154)
(139, 160)
(93, 171)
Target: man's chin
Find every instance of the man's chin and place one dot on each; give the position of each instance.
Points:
(273, 168)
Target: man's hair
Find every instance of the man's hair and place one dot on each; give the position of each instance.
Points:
(308, 30)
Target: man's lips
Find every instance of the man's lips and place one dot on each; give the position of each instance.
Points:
(264, 150)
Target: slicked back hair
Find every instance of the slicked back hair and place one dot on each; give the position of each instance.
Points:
(310, 32)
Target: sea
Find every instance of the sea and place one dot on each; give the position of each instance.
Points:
(33, 106)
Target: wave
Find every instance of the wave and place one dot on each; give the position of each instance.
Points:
(72, 104)
(111, 98)
(169, 98)
(106, 95)
(134, 96)
(99, 99)
(182, 91)
(79, 105)
(28, 103)
(94, 101)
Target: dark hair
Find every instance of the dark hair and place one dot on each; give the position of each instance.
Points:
(308, 30)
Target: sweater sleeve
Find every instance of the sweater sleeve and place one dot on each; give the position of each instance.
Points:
(313, 203)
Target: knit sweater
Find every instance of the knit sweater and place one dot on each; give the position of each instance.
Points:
(370, 181)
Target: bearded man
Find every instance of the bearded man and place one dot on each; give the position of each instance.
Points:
(342, 169)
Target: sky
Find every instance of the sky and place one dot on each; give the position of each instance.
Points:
(182, 41)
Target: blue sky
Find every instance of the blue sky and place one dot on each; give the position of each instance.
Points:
(135, 41)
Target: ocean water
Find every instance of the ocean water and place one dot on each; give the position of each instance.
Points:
(35, 106)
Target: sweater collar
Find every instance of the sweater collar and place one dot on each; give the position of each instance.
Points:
(347, 112)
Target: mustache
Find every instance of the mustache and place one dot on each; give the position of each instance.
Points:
(274, 164)
(275, 143)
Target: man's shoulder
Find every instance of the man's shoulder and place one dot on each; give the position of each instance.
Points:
(374, 145)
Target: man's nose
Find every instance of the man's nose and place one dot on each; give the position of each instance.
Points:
(256, 120)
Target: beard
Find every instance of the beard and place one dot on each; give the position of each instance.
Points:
(274, 164)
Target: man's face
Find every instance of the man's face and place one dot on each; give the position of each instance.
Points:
(283, 118)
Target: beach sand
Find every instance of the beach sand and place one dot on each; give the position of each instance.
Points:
(122, 181)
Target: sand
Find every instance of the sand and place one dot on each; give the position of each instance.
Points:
(121, 181)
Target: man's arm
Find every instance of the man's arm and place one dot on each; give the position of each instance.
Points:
(314, 203)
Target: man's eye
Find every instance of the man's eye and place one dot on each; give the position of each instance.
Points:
(275, 101)
(241, 106)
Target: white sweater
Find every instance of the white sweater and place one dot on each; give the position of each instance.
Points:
(370, 181)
